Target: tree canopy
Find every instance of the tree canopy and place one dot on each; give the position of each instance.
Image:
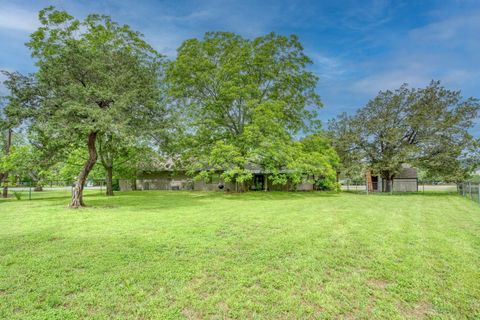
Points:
(243, 102)
(426, 127)
(104, 103)
(94, 77)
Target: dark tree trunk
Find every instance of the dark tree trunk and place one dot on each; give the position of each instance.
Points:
(109, 181)
(5, 174)
(134, 184)
(105, 152)
(77, 194)
(2, 175)
(5, 186)
(387, 185)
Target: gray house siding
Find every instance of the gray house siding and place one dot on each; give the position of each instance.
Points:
(168, 180)
(405, 181)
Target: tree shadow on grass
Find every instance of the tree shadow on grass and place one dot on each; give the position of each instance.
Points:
(158, 199)
(279, 195)
(148, 200)
(155, 200)
(58, 197)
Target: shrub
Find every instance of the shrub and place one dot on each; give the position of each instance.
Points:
(116, 185)
(326, 184)
(18, 195)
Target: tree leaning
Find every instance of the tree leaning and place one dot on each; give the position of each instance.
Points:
(97, 77)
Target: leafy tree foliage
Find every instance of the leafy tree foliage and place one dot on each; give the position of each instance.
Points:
(426, 127)
(95, 77)
(243, 102)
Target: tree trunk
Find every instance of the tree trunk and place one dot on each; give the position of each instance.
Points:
(387, 176)
(109, 181)
(134, 184)
(77, 194)
(5, 185)
(2, 175)
(5, 174)
(389, 185)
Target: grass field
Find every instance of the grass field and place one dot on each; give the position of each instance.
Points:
(169, 255)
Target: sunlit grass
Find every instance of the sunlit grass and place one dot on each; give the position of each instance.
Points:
(158, 254)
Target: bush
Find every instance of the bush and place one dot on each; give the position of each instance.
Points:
(18, 195)
(116, 185)
(327, 185)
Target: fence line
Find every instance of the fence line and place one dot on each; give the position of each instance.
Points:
(469, 190)
(31, 190)
(400, 186)
(49, 189)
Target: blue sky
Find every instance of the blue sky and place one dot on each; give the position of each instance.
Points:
(358, 47)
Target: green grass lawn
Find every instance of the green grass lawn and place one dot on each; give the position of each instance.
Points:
(169, 255)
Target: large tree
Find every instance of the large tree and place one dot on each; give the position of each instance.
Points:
(28, 157)
(243, 103)
(10, 118)
(96, 77)
(121, 157)
(426, 127)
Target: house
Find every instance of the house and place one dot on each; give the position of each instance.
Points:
(404, 181)
(168, 179)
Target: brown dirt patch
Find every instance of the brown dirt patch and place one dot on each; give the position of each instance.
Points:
(419, 311)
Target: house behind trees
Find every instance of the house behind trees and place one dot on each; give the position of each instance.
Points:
(179, 180)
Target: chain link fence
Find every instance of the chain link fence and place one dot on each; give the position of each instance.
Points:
(421, 186)
(28, 190)
(469, 190)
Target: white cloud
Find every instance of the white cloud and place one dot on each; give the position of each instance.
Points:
(371, 85)
(325, 66)
(14, 18)
(445, 50)
(458, 30)
(193, 17)
(417, 73)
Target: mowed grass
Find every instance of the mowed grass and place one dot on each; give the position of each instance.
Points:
(169, 255)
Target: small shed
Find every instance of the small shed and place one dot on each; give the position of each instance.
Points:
(404, 181)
